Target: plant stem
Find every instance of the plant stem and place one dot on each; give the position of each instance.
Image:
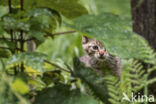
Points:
(9, 4)
(11, 35)
(61, 33)
(10, 11)
(54, 34)
(9, 39)
(11, 49)
(21, 37)
(6, 48)
(55, 65)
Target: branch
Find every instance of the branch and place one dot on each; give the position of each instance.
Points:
(9, 39)
(30, 39)
(61, 33)
(57, 66)
(52, 35)
(11, 49)
(5, 48)
(9, 4)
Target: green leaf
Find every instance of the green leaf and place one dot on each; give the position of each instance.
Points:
(3, 10)
(95, 82)
(42, 21)
(23, 26)
(52, 76)
(20, 86)
(14, 23)
(45, 16)
(61, 94)
(7, 94)
(115, 32)
(7, 43)
(33, 59)
(69, 8)
(9, 22)
(14, 2)
(41, 11)
(39, 35)
(4, 53)
(1, 29)
(114, 6)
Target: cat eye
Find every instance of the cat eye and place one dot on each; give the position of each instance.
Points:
(95, 47)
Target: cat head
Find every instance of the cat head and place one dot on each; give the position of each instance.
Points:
(94, 48)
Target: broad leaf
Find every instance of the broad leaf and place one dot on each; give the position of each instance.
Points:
(42, 21)
(7, 43)
(39, 35)
(9, 22)
(115, 32)
(46, 17)
(69, 8)
(33, 59)
(120, 7)
(61, 94)
(3, 10)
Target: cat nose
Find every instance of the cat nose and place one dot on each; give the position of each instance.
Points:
(101, 53)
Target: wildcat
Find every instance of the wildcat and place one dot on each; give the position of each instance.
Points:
(99, 59)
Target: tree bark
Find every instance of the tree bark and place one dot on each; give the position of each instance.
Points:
(31, 46)
(144, 19)
(144, 23)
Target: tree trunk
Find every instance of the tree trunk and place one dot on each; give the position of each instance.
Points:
(144, 19)
(144, 23)
(31, 46)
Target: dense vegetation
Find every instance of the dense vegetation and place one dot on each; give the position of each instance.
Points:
(52, 73)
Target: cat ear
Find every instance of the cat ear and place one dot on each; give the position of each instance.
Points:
(85, 39)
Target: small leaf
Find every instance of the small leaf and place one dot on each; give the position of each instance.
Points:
(9, 22)
(52, 76)
(33, 59)
(39, 35)
(4, 53)
(31, 71)
(7, 43)
(20, 86)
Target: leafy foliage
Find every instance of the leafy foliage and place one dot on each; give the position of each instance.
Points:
(69, 8)
(48, 75)
(91, 78)
(4, 53)
(7, 93)
(33, 59)
(61, 94)
(101, 28)
(134, 78)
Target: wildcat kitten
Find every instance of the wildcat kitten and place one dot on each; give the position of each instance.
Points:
(99, 59)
